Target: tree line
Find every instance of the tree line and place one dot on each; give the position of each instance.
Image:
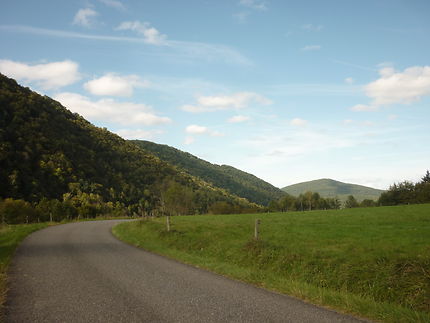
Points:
(405, 192)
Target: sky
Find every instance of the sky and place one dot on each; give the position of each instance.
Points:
(289, 91)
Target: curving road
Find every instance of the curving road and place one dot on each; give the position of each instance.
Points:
(79, 272)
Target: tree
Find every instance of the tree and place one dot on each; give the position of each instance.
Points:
(426, 178)
(351, 202)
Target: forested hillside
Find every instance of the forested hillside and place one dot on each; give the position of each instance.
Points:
(234, 180)
(329, 188)
(49, 153)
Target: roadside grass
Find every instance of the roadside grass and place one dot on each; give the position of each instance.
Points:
(10, 237)
(371, 262)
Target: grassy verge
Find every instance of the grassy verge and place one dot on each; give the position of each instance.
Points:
(372, 262)
(10, 237)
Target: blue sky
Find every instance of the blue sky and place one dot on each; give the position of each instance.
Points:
(287, 90)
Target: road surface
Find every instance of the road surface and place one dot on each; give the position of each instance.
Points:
(79, 272)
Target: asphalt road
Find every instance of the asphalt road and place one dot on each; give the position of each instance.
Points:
(80, 272)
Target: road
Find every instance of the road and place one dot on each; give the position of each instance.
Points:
(79, 272)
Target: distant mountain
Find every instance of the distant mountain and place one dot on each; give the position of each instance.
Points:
(48, 152)
(229, 178)
(331, 188)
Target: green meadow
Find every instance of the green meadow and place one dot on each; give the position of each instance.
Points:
(371, 262)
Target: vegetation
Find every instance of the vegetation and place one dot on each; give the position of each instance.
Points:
(10, 237)
(329, 188)
(55, 159)
(408, 192)
(229, 178)
(374, 262)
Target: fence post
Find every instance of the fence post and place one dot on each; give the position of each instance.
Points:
(168, 222)
(256, 231)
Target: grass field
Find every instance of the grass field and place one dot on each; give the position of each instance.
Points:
(372, 262)
(10, 237)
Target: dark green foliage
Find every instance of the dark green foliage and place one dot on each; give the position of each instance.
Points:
(229, 178)
(351, 202)
(334, 189)
(407, 192)
(49, 153)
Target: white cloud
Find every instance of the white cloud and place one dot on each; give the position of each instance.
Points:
(254, 4)
(141, 134)
(311, 48)
(348, 122)
(114, 4)
(115, 85)
(85, 17)
(400, 87)
(150, 34)
(224, 102)
(298, 122)
(196, 130)
(311, 27)
(349, 80)
(48, 75)
(201, 130)
(238, 119)
(109, 110)
(393, 117)
(363, 107)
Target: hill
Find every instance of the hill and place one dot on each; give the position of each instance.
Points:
(331, 188)
(229, 178)
(48, 152)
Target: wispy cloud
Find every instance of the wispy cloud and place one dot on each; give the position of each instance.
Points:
(196, 130)
(237, 100)
(113, 4)
(314, 89)
(191, 50)
(85, 17)
(308, 48)
(298, 122)
(311, 27)
(150, 34)
(141, 134)
(238, 119)
(254, 4)
(47, 75)
(361, 67)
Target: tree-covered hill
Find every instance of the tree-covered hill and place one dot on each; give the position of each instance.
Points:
(48, 152)
(331, 188)
(229, 178)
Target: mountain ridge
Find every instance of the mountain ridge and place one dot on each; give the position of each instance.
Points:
(48, 152)
(234, 180)
(327, 187)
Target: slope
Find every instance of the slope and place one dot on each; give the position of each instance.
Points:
(229, 178)
(46, 151)
(331, 188)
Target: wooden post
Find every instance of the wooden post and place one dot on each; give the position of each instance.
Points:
(256, 231)
(168, 222)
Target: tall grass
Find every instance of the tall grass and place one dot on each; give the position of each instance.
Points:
(373, 262)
